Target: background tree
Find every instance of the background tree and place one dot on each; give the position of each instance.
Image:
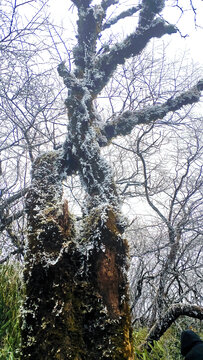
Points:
(30, 121)
(166, 241)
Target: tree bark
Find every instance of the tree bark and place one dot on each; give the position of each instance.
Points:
(77, 294)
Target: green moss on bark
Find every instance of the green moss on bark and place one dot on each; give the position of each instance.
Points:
(76, 290)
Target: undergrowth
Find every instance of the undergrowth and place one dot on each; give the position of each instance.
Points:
(168, 347)
(11, 294)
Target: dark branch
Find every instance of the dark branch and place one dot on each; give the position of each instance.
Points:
(81, 3)
(17, 251)
(13, 198)
(169, 318)
(107, 3)
(150, 8)
(131, 46)
(4, 222)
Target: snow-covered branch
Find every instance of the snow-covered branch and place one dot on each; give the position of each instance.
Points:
(149, 10)
(89, 26)
(81, 3)
(107, 3)
(168, 319)
(122, 15)
(131, 46)
(124, 123)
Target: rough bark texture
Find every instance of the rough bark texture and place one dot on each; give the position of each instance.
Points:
(77, 302)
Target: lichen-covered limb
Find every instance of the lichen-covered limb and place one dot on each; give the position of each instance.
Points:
(107, 3)
(95, 173)
(81, 3)
(68, 78)
(122, 15)
(150, 8)
(89, 26)
(124, 123)
(168, 318)
(131, 46)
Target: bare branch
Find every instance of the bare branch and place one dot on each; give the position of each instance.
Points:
(168, 318)
(13, 198)
(14, 252)
(7, 221)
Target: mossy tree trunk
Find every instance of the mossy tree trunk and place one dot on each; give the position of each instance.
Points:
(77, 304)
(77, 301)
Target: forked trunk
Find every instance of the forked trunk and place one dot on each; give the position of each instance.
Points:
(76, 287)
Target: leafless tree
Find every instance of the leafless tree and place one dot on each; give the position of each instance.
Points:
(30, 121)
(159, 168)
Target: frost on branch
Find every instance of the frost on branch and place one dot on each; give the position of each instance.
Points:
(122, 15)
(149, 10)
(131, 46)
(97, 69)
(124, 123)
(107, 3)
(169, 318)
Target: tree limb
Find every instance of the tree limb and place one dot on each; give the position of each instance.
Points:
(81, 3)
(13, 198)
(125, 123)
(131, 46)
(168, 318)
(14, 252)
(107, 3)
(7, 221)
(150, 8)
(122, 15)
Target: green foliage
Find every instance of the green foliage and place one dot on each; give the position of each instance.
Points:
(168, 347)
(11, 293)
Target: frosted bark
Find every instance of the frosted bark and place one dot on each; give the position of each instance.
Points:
(125, 123)
(122, 15)
(76, 287)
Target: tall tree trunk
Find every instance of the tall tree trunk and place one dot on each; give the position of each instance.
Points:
(76, 287)
(77, 304)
